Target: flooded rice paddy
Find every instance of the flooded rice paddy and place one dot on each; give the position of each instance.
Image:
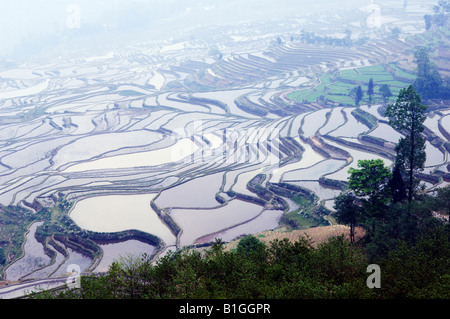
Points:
(170, 149)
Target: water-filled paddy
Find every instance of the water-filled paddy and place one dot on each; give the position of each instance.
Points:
(267, 220)
(25, 92)
(322, 192)
(314, 122)
(93, 146)
(33, 259)
(229, 97)
(180, 150)
(336, 119)
(356, 155)
(115, 213)
(309, 158)
(314, 172)
(199, 192)
(197, 223)
(434, 155)
(386, 132)
(115, 251)
(242, 179)
(116, 105)
(431, 122)
(351, 128)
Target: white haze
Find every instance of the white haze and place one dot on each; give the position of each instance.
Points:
(32, 28)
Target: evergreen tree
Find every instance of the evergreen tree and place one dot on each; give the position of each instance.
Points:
(397, 185)
(370, 90)
(428, 20)
(347, 212)
(358, 95)
(407, 115)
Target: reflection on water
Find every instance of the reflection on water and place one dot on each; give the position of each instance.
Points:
(33, 259)
(386, 132)
(351, 128)
(196, 223)
(319, 190)
(115, 213)
(177, 152)
(267, 220)
(114, 251)
(199, 192)
(314, 172)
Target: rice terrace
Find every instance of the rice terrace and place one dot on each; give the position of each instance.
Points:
(215, 133)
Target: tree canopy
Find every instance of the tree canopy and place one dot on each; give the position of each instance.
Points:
(385, 92)
(429, 84)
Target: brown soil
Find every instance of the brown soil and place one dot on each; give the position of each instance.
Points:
(316, 235)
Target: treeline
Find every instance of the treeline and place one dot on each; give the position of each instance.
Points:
(429, 83)
(439, 18)
(313, 38)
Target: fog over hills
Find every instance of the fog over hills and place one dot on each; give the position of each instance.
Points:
(31, 28)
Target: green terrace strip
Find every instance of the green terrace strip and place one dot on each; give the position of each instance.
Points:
(337, 88)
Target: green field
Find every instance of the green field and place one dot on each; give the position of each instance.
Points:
(337, 89)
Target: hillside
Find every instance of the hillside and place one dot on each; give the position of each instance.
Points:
(316, 235)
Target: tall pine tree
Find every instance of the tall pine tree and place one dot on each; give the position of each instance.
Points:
(370, 90)
(407, 115)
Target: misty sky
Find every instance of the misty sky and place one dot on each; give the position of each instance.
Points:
(38, 21)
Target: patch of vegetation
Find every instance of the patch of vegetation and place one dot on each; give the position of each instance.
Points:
(366, 118)
(339, 89)
(57, 225)
(14, 223)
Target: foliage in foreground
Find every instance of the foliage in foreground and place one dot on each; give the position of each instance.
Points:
(281, 269)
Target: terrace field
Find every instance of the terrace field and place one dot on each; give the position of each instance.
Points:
(159, 148)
